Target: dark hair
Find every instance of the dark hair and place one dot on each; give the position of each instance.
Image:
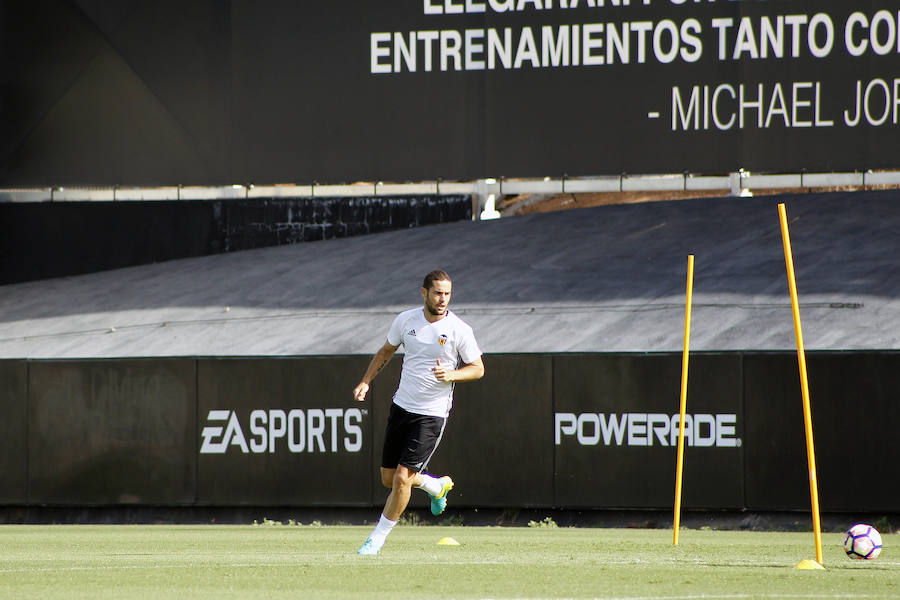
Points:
(436, 275)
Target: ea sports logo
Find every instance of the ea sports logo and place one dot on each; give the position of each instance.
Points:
(297, 430)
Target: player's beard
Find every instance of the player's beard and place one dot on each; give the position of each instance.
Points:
(434, 311)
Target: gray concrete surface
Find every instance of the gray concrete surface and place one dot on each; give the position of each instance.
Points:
(604, 279)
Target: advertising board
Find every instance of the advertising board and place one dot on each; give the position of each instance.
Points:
(412, 90)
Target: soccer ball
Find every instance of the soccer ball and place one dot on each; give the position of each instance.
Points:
(862, 541)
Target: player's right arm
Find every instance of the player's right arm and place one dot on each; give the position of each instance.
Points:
(381, 358)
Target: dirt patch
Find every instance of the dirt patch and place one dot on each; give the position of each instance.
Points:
(524, 204)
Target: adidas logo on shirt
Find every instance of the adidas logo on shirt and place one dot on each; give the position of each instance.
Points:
(411, 332)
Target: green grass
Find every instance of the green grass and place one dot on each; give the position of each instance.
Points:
(247, 562)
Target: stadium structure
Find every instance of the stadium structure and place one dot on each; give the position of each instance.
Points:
(176, 337)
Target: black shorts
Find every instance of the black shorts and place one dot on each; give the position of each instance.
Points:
(410, 439)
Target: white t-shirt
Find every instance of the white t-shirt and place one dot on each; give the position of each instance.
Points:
(449, 340)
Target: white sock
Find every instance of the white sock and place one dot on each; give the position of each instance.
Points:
(381, 531)
(430, 484)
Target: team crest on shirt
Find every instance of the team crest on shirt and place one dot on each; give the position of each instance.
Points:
(442, 339)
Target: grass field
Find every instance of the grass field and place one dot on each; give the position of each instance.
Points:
(255, 562)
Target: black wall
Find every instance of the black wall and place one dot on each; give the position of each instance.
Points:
(567, 431)
(112, 432)
(316, 447)
(639, 472)
(249, 91)
(56, 239)
(14, 431)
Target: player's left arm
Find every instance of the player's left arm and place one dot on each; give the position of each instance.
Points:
(468, 372)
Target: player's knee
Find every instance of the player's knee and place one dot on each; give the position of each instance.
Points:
(403, 478)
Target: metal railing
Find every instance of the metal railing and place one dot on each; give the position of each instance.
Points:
(486, 191)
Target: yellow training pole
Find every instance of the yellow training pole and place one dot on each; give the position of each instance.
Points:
(804, 384)
(684, 380)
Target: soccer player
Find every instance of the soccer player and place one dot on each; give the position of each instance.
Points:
(440, 349)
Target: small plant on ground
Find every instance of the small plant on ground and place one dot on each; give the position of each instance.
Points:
(548, 522)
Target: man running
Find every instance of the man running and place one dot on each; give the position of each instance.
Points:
(440, 349)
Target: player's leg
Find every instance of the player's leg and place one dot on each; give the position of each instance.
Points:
(401, 490)
(429, 432)
(436, 487)
(395, 440)
(410, 441)
(400, 482)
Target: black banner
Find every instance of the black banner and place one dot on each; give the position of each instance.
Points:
(112, 432)
(283, 432)
(568, 431)
(496, 439)
(616, 428)
(854, 414)
(275, 91)
(497, 436)
(13, 432)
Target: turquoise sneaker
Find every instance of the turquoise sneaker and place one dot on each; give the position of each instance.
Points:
(439, 502)
(368, 547)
